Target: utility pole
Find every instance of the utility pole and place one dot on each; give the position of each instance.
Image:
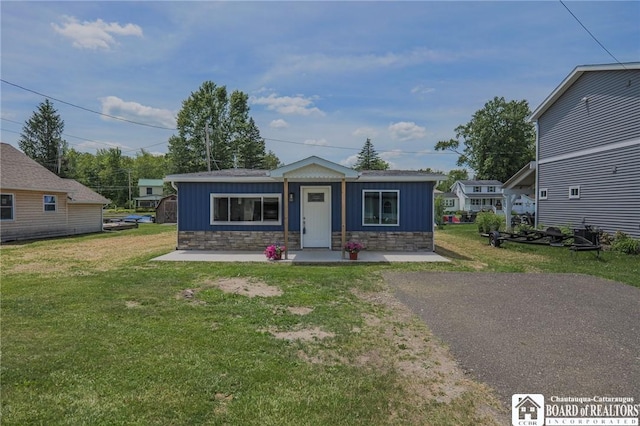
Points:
(206, 136)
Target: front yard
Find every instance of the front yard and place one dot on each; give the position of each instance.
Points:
(95, 333)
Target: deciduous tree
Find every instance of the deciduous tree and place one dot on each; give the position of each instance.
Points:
(497, 141)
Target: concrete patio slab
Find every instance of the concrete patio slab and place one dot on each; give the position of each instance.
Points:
(301, 257)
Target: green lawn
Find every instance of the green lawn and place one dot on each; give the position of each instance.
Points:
(95, 333)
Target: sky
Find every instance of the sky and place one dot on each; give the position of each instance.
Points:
(322, 77)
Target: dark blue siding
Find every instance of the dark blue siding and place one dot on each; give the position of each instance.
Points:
(194, 204)
(415, 206)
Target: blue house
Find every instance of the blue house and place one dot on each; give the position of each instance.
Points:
(312, 203)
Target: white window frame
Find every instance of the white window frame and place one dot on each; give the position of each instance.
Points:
(575, 196)
(449, 202)
(12, 207)
(53, 203)
(543, 194)
(262, 222)
(477, 189)
(491, 189)
(380, 207)
(476, 202)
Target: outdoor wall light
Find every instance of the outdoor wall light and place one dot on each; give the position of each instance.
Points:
(292, 197)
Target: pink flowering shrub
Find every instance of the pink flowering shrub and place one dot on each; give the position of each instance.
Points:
(353, 247)
(274, 251)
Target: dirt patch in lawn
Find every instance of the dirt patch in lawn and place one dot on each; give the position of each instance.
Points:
(245, 287)
(305, 335)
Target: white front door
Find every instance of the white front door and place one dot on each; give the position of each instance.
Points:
(316, 217)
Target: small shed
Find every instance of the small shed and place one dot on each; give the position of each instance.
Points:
(167, 210)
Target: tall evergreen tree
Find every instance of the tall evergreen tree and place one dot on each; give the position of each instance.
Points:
(41, 138)
(368, 159)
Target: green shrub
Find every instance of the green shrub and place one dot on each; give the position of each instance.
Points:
(625, 244)
(488, 221)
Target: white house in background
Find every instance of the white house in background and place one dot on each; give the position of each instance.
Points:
(478, 195)
(36, 203)
(588, 150)
(150, 193)
(450, 202)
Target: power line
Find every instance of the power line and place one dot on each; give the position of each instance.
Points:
(592, 36)
(87, 109)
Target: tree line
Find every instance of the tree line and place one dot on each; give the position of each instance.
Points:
(215, 131)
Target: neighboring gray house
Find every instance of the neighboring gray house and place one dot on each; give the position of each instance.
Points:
(588, 150)
(36, 203)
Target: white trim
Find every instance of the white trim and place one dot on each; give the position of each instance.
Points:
(577, 195)
(572, 78)
(546, 194)
(380, 191)
(262, 196)
(54, 203)
(590, 151)
(13, 207)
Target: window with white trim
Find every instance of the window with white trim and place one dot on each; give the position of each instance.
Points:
(574, 192)
(449, 202)
(477, 189)
(491, 189)
(380, 207)
(6, 206)
(543, 193)
(248, 209)
(49, 202)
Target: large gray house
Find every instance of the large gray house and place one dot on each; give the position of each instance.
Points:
(588, 150)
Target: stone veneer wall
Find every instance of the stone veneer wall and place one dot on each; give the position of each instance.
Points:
(259, 240)
(234, 240)
(387, 241)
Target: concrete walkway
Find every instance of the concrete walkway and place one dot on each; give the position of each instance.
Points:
(301, 257)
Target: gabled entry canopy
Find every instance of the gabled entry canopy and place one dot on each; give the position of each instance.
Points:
(314, 169)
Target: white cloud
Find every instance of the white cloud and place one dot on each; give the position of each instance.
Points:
(422, 90)
(112, 105)
(349, 161)
(327, 64)
(369, 132)
(94, 35)
(278, 124)
(406, 130)
(288, 104)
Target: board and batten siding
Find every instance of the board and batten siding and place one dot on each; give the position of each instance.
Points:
(599, 109)
(31, 221)
(590, 137)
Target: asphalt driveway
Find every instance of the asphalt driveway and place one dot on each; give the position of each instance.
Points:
(553, 334)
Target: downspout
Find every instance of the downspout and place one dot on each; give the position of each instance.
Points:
(537, 189)
(173, 185)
